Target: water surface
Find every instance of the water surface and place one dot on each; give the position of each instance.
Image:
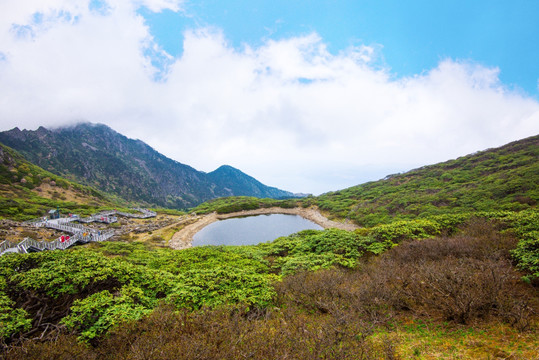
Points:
(252, 229)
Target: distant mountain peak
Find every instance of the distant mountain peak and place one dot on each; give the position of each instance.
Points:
(241, 184)
(225, 167)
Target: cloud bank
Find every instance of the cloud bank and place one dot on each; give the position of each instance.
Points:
(289, 112)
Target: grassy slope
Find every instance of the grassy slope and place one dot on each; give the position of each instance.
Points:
(28, 191)
(504, 178)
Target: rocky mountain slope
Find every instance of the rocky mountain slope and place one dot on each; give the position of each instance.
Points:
(241, 184)
(96, 155)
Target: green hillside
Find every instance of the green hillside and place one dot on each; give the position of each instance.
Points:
(27, 191)
(467, 290)
(504, 178)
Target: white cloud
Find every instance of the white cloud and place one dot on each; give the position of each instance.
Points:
(289, 113)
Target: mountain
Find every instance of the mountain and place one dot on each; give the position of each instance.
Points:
(504, 178)
(241, 184)
(96, 155)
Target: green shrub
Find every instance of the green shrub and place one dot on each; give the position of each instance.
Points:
(12, 320)
(96, 314)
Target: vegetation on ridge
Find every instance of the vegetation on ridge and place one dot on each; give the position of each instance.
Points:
(228, 205)
(501, 179)
(504, 178)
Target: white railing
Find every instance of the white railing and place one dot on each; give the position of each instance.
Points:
(62, 243)
(33, 222)
(102, 217)
(145, 213)
(79, 233)
(6, 245)
(106, 216)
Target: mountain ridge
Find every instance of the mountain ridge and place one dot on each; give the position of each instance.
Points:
(96, 155)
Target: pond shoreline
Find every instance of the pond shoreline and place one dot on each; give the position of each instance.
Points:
(183, 239)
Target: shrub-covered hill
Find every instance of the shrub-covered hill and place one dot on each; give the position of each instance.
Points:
(315, 294)
(505, 178)
(27, 191)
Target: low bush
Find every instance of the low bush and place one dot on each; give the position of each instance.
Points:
(224, 333)
(460, 278)
(309, 295)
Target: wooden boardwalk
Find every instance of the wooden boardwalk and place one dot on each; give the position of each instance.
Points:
(79, 234)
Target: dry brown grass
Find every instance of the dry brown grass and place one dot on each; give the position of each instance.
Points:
(48, 191)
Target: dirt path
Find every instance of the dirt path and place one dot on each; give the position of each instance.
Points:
(183, 238)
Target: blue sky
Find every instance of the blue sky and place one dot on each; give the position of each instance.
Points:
(307, 96)
(413, 36)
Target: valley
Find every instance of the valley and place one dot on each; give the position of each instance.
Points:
(280, 180)
(437, 262)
